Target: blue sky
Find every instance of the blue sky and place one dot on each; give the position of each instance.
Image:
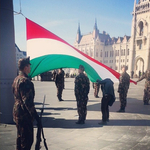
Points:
(62, 17)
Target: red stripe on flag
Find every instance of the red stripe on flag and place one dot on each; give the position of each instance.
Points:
(36, 31)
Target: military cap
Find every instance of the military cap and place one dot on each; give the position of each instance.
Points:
(23, 62)
(81, 67)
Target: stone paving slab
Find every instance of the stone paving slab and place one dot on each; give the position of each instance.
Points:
(125, 131)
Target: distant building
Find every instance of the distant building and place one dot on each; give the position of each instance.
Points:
(19, 54)
(132, 51)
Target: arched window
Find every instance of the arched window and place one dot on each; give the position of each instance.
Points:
(112, 53)
(115, 52)
(101, 54)
(96, 54)
(128, 51)
(124, 52)
(141, 28)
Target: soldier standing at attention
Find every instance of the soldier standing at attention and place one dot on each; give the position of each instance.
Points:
(24, 111)
(124, 83)
(146, 96)
(82, 87)
(59, 84)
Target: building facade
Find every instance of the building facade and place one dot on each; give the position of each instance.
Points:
(132, 51)
(19, 54)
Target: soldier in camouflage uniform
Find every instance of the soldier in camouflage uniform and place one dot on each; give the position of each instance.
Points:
(82, 87)
(24, 111)
(59, 84)
(146, 96)
(124, 83)
(96, 89)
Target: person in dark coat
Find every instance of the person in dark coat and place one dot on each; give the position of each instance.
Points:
(63, 84)
(24, 111)
(139, 73)
(107, 99)
(132, 73)
(59, 84)
(82, 87)
(54, 75)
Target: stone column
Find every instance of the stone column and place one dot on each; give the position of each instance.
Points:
(8, 70)
(132, 52)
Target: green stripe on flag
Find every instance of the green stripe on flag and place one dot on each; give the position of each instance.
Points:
(50, 62)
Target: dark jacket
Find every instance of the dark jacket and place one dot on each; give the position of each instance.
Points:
(108, 89)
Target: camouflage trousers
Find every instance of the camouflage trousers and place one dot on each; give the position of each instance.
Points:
(82, 110)
(24, 135)
(146, 96)
(59, 92)
(123, 99)
(96, 91)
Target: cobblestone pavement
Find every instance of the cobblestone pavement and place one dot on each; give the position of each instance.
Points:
(125, 131)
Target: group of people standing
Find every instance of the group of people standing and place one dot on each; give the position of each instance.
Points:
(82, 87)
(24, 111)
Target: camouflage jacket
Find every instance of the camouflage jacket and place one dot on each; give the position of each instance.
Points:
(124, 82)
(82, 86)
(147, 77)
(59, 79)
(23, 90)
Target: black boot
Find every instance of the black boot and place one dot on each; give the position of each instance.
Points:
(80, 122)
(121, 110)
(146, 103)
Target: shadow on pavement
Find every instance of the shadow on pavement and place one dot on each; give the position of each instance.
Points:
(75, 100)
(57, 108)
(50, 122)
(125, 122)
(36, 103)
(133, 106)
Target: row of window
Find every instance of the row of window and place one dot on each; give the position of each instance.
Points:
(111, 54)
(116, 61)
(122, 52)
(116, 68)
(122, 60)
(107, 53)
(19, 54)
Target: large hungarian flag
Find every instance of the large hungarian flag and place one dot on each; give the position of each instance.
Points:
(48, 52)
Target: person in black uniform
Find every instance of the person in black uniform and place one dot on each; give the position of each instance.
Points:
(59, 81)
